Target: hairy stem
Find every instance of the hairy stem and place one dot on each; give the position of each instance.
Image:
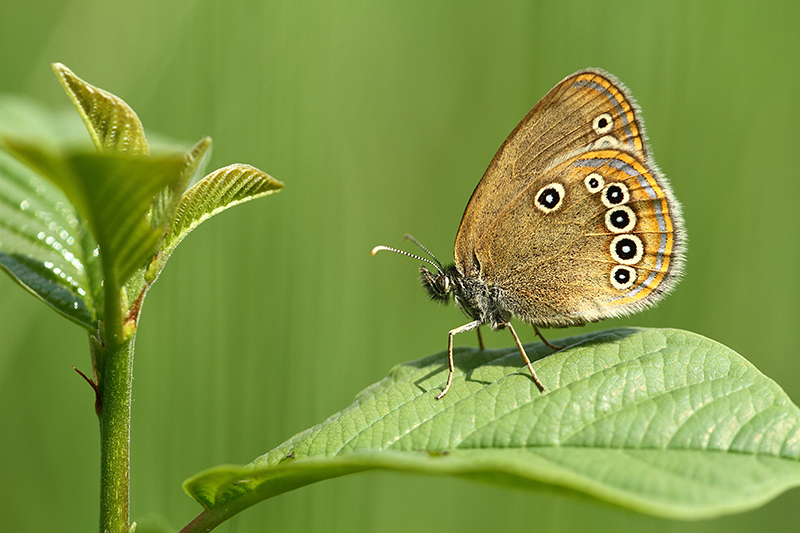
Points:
(115, 417)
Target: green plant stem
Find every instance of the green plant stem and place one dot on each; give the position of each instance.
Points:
(115, 417)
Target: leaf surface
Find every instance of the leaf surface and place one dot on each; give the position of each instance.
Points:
(660, 421)
(113, 193)
(43, 244)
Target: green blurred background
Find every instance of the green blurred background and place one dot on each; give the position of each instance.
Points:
(380, 117)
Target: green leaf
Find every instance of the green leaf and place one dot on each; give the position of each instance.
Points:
(44, 245)
(113, 193)
(220, 190)
(659, 421)
(112, 124)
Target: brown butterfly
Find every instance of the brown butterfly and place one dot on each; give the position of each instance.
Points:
(572, 222)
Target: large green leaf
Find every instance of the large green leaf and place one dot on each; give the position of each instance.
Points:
(660, 421)
(44, 245)
(113, 193)
(112, 124)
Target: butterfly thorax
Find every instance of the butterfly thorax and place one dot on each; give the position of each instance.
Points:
(476, 299)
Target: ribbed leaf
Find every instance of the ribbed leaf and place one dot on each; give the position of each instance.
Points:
(220, 190)
(112, 124)
(43, 244)
(113, 193)
(659, 421)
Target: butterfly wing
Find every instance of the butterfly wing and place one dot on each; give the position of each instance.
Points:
(560, 123)
(547, 228)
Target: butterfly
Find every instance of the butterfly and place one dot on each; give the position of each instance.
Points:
(572, 222)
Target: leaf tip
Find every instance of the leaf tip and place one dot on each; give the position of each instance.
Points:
(204, 143)
(65, 76)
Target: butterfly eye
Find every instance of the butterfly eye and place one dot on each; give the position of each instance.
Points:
(620, 219)
(438, 287)
(615, 194)
(550, 197)
(602, 124)
(594, 182)
(622, 277)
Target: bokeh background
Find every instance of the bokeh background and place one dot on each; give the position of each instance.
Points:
(381, 117)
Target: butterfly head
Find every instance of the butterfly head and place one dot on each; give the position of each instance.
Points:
(440, 284)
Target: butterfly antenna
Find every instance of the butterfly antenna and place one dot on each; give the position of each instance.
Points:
(402, 252)
(415, 241)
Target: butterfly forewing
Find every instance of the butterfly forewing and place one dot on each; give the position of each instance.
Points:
(587, 109)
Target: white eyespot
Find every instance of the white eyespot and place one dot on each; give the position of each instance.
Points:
(622, 277)
(606, 141)
(627, 249)
(594, 182)
(620, 219)
(602, 124)
(549, 197)
(615, 194)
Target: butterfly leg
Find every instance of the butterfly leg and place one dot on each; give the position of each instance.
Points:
(480, 338)
(453, 333)
(551, 346)
(525, 355)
